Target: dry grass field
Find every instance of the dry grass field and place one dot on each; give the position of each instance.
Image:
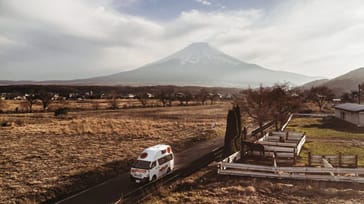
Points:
(206, 186)
(43, 157)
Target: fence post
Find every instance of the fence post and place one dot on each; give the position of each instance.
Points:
(340, 161)
(275, 159)
(294, 155)
(309, 159)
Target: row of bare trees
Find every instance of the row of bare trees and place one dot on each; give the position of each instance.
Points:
(167, 96)
(44, 97)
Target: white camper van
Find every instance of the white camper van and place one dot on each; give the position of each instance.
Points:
(153, 163)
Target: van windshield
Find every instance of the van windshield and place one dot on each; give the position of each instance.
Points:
(140, 164)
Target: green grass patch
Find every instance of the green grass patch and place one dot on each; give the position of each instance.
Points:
(329, 136)
(325, 148)
(326, 128)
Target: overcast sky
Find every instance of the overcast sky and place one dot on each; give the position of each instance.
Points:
(68, 39)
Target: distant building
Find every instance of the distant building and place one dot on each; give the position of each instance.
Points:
(149, 95)
(336, 100)
(55, 97)
(351, 112)
(180, 95)
(131, 96)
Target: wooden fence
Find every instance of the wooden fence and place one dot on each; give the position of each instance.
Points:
(354, 175)
(339, 160)
(284, 151)
(232, 158)
(286, 123)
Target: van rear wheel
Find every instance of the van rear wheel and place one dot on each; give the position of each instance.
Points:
(168, 170)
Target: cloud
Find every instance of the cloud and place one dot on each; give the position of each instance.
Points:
(204, 2)
(45, 37)
(67, 39)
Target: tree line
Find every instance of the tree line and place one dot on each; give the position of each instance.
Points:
(276, 103)
(33, 94)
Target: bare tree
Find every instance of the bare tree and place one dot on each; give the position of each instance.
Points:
(188, 97)
(285, 101)
(203, 95)
(31, 99)
(360, 92)
(143, 99)
(320, 95)
(165, 96)
(181, 97)
(170, 95)
(348, 96)
(46, 98)
(113, 102)
(212, 97)
(257, 104)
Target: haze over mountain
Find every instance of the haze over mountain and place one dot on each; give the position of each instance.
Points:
(202, 65)
(344, 83)
(198, 64)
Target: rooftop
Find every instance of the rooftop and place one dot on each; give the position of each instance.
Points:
(353, 107)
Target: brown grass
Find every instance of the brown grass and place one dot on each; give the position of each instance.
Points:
(43, 157)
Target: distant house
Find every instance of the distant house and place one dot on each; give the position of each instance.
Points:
(149, 95)
(180, 95)
(131, 96)
(351, 112)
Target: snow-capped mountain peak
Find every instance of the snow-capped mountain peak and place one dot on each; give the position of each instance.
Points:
(202, 65)
(200, 52)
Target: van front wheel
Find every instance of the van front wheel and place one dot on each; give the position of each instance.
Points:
(154, 178)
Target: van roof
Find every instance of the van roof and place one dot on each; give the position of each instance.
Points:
(154, 152)
(157, 147)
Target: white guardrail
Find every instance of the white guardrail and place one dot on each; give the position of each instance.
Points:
(354, 175)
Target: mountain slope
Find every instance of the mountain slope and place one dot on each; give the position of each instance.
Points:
(200, 64)
(314, 83)
(344, 83)
(348, 81)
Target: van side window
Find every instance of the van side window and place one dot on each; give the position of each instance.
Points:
(169, 157)
(165, 159)
(161, 161)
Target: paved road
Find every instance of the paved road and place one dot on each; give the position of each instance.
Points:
(112, 189)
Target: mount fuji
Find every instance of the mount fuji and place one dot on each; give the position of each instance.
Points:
(200, 64)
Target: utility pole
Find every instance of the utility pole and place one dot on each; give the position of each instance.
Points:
(359, 93)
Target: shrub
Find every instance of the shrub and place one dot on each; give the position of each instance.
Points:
(19, 122)
(61, 111)
(5, 124)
